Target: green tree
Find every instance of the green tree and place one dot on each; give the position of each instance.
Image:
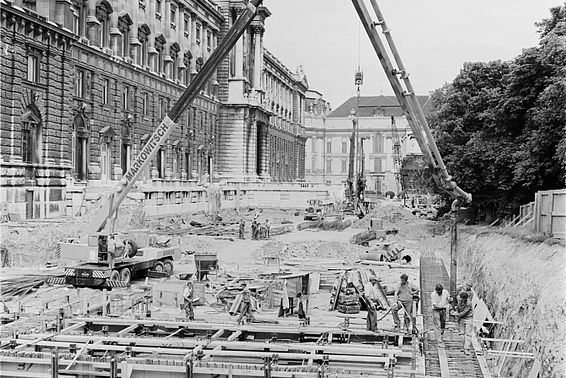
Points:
(500, 126)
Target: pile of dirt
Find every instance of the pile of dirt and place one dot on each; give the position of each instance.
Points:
(318, 249)
(392, 214)
(35, 243)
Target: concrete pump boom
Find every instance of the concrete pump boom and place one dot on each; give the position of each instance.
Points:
(407, 98)
(161, 133)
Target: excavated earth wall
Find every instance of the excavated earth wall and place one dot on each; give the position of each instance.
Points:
(524, 285)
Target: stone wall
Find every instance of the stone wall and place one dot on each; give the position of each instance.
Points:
(32, 100)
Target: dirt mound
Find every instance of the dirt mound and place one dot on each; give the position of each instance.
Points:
(319, 249)
(391, 213)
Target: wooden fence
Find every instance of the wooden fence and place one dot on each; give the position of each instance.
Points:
(550, 213)
(545, 215)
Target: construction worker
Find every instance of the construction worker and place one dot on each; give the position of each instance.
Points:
(467, 288)
(464, 314)
(404, 300)
(246, 306)
(188, 296)
(254, 229)
(267, 228)
(371, 298)
(242, 228)
(440, 304)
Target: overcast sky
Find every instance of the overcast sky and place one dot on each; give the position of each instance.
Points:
(434, 38)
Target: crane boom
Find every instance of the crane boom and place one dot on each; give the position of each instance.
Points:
(407, 98)
(161, 133)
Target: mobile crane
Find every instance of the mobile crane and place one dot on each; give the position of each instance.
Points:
(107, 260)
(108, 266)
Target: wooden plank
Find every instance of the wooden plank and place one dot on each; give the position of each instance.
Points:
(443, 359)
(73, 327)
(174, 333)
(234, 336)
(127, 330)
(480, 358)
(217, 335)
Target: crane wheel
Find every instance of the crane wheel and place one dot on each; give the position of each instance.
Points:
(125, 275)
(114, 275)
(159, 267)
(168, 266)
(130, 248)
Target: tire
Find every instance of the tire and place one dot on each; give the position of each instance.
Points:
(168, 266)
(125, 275)
(158, 267)
(114, 275)
(131, 248)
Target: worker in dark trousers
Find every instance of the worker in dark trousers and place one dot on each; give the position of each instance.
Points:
(188, 296)
(254, 229)
(242, 228)
(246, 306)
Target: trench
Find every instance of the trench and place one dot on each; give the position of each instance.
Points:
(523, 284)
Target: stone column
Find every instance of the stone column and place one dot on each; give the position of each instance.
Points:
(258, 56)
(236, 83)
(264, 140)
(192, 69)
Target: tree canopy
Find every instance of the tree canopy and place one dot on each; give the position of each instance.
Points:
(501, 126)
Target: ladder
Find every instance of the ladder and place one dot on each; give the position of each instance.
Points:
(399, 80)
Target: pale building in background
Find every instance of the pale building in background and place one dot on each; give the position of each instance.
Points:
(328, 141)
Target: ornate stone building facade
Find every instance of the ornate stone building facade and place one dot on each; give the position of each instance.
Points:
(86, 82)
(262, 136)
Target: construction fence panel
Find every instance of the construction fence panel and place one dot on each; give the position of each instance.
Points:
(550, 213)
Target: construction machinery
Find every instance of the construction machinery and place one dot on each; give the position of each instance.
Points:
(108, 258)
(398, 78)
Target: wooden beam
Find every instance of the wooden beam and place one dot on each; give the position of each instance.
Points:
(443, 360)
(73, 327)
(174, 333)
(127, 330)
(217, 335)
(480, 358)
(503, 340)
(234, 335)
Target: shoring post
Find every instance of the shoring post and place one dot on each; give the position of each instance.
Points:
(55, 364)
(104, 302)
(113, 368)
(453, 248)
(267, 367)
(60, 319)
(189, 365)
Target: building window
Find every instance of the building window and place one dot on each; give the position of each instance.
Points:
(126, 97)
(105, 91)
(343, 166)
(377, 166)
(378, 143)
(208, 41)
(143, 37)
(198, 34)
(145, 104)
(79, 17)
(329, 146)
(158, 9)
(30, 134)
(124, 23)
(186, 26)
(173, 17)
(82, 84)
(174, 65)
(103, 11)
(34, 60)
(160, 47)
(344, 146)
(328, 165)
